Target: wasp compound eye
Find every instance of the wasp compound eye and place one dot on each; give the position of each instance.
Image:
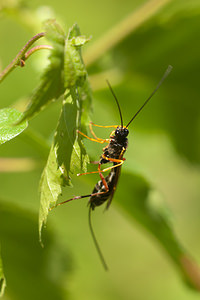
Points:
(126, 132)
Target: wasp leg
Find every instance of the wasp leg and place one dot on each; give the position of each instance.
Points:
(90, 195)
(121, 161)
(109, 126)
(78, 197)
(92, 132)
(102, 178)
(101, 141)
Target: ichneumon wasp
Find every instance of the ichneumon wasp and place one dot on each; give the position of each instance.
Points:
(113, 153)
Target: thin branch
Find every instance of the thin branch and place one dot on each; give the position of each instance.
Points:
(18, 60)
(36, 48)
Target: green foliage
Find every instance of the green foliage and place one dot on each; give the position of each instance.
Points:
(67, 153)
(8, 129)
(50, 187)
(74, 69)
(147, 207)
(135, 59)
(25, 284)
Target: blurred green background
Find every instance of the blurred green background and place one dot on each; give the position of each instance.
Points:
(164, 147)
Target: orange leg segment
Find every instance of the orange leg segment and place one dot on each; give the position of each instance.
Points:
(102, 178)
(92, 132)
(119, 161)
(110, 126)
(101, 141)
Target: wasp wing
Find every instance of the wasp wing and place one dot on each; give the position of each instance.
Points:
(113, 184)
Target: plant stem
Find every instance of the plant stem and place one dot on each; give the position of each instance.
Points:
(36, 48)
(18, 60)
(122, 30)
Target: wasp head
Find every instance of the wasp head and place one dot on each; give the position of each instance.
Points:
(121, 133)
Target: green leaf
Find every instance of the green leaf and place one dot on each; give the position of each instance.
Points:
(50, 187)
(67, 155)
(29, 267)
(79, 40)
(65, 135)
(51, 86)
(75, 75)
(85, 104)
(146, 206)
(2, 279)
(65, 59)
(74, 69)
(71, 155)
(8, 129)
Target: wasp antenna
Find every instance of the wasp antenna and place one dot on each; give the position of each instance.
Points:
(95, 241)
(115, 97)
(157, 87)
